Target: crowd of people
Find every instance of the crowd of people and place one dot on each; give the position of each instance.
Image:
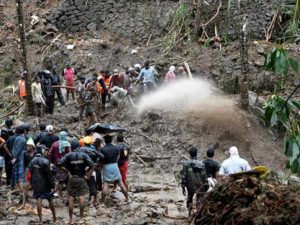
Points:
(48, 162)
(92, 94)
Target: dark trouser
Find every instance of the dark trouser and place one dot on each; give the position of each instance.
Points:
(72, 93)
(103, 98)
(38, 109)
(60, 97)
(50, 104)
(190, 199)
(8, 169)
(98, 178)
(148, 87)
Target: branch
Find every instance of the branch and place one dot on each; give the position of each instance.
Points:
(13, 111)
(211, 19)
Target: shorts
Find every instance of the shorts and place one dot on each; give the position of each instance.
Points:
(61, 176)
(123, 170)
(18, 173)
(111, 172)
(77, 186)
(89, 110)
(43, 195)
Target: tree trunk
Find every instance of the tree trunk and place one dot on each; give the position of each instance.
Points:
(244, 100)
(21, 25)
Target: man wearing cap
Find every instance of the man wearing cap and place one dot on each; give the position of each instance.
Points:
(49, 138)
(111, 172)
(193, 179)
(118, 79)
(80, 167)
(57, 151)
(234, 164)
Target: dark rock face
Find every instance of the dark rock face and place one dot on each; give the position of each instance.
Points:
(138, 19)
(131, 19)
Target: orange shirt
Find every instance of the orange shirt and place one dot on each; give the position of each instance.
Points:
(22, 88)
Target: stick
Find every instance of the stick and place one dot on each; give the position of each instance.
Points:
(146, 136)
(63, 86)
(185, 157)
(8, 114)
(139, 158)
(211, 19)
(149, 39)
(188, 70)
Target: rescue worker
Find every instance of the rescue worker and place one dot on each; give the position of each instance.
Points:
(69, 76)
(234, 163)
(48, 91)
(38, 98)
(111, 172)
(118, 94)
(193, 179)
(118, 79)
(22, 87)
(80, 89)
(80, 167)
(147, 75)
(56, 82)
(42, 182)
(182, 73)
(211, 166)
(90, 99)
(104, 87)
(170, 76)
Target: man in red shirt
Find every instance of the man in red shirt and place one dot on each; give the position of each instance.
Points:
(118, 79)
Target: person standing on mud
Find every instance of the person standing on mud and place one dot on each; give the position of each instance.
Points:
(3, 151)
(57, 82)
(69, 74)
(18, 151)
(193, 179)
(49, 138)
(22, 87)
(123, 159)
(104, 86)
(148, 76)
(48, 91)
(80, 167)
(90, 99)
(38, 98)
(111, 172)
(170, 76)
(42, 182)
(80, 89)
(211, 166)
(181, 73)
(57, 151)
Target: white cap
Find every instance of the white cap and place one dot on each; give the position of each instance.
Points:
(30, 142)
(137, 66)
(233, 151)
(49, 128)
(172, 68)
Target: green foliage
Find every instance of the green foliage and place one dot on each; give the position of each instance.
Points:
(285, 112)
(291, 27)
(279, 62)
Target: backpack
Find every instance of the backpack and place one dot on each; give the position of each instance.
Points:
(69, 74)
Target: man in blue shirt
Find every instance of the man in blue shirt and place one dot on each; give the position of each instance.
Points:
(148, 76)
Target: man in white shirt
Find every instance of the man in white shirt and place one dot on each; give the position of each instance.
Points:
(234, 164)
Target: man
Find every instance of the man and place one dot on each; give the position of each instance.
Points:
(22, 87)
(37, 97)
(80, 89)
(234, 164)
(3, 152)
(104, 86)
(181, 73)
(48, 91)
(193, 179)
(80, 166)
(148, 76)
(90, 99)
(56, 82)
(95, 156)
(118, 79)
(57, 151)
(170, 76)
(69, 76)
(111, 171)
(211, 166)
(18, 151)
(42, 182)
(8, 165)
(118, 94)
(42, 133)
(49, 138)
(124, 159)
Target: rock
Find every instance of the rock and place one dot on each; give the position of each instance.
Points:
(103, 212)
(118, 195)
(172, 211)
(92, 26)
(132, 206)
